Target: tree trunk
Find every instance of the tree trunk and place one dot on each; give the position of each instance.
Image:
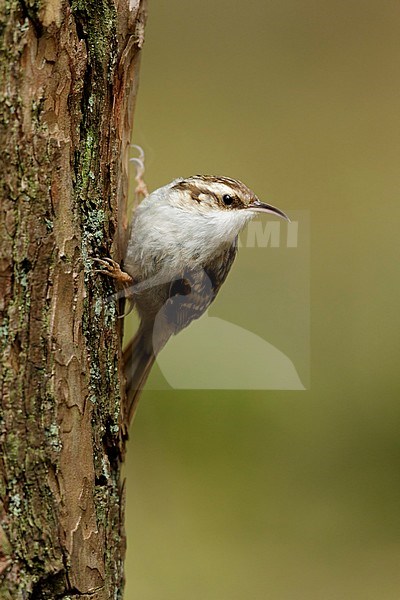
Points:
(68, 83)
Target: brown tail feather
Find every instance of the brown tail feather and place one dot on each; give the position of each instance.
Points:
(137, 365)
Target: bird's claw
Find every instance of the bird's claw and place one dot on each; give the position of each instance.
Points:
(110, 268)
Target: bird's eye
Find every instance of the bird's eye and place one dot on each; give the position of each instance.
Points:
(227, 199)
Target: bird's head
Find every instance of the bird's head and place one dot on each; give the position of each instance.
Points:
(206, 194)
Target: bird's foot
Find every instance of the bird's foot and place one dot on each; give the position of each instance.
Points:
(110, 268)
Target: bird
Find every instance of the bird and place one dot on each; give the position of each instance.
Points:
(181, 246)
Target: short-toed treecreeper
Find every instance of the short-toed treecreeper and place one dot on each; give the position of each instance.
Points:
(182, 243)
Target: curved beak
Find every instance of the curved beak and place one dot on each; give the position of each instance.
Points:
(262, 207)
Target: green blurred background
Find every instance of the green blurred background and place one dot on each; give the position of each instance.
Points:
(281, 495)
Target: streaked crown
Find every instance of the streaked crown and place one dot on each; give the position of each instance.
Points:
(203, 193)
(219, 192)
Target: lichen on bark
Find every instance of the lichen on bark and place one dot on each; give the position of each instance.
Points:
(68, 80)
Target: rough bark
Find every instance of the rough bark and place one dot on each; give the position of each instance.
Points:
(68, 79)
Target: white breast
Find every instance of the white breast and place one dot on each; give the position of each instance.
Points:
(166, 236)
